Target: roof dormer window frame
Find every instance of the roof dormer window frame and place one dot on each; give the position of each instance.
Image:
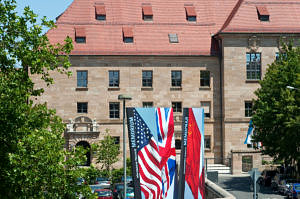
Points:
(147, 12)
(190, 11)
(262, 13)
(80, 35)
(128, 35)
(100, 12)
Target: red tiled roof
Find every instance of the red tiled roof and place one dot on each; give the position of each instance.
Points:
(151, 37)
(284, 17)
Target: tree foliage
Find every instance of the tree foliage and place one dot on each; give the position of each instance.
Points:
(108, 152)
(277, 108)
(34, 163)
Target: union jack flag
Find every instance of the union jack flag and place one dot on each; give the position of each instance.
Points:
(156, 153)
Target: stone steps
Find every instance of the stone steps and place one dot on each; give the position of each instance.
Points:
(220, 168)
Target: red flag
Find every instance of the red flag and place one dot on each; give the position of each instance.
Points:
(193, 156)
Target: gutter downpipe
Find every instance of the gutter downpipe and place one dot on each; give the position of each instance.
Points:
(220, 55)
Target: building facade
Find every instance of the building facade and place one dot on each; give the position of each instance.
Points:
(208, 54)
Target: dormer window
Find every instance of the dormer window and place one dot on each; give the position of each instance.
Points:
(127, 35)
(191, 14)
(173, 38)
(263, 14)
(147, 12)
(80, 36)
(100, 12)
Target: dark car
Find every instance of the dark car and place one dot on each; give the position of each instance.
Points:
(117, 188)
(104, 193)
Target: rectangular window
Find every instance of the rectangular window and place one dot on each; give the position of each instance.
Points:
(206, 107)
(253, 66)
(80, 36)
(173, 38)
(147, 78)
(176, 78)
(82, 107)
(100, 12)
(283, 56)
(205, 78)
(147, 104)
(207, 142)
(117, 140)
(177, 144)
(177, 108)
(114, 110)
(82, 79)
(127, 35)
(248, 109)
(114, 78)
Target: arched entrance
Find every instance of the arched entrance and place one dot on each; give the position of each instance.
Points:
(86, 146)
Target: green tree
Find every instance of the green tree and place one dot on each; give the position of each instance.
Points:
(277, 108)
(34, 163)
(108, 152)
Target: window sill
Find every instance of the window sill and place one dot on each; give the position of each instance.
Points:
(81, 89)
(176, 88)
(204, 88)
(113, 88)
(146, 89)
(252, 80)
(207, 150)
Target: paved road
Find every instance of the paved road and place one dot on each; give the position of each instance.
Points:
(239, 187)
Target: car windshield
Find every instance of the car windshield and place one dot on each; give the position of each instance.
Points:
(297, 187)
(102, 179)
(103, 193)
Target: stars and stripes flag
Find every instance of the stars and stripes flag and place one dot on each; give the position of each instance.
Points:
(192, 184)
(152, 150)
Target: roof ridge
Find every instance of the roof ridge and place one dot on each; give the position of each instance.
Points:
(231, 15)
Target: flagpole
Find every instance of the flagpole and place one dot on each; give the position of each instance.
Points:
(124, 98)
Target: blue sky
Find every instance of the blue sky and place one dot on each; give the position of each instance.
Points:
(49, 8)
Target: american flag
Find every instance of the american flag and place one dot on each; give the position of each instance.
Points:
(156, 159)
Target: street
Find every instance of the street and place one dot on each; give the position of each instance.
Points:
(238, 185)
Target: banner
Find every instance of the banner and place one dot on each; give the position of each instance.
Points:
(152, 152)
(191, 175)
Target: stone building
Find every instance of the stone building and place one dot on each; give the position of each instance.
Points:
(169, 54)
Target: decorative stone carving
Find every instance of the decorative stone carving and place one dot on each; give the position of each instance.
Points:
(95, 126)
(70, 126)
(253, 43)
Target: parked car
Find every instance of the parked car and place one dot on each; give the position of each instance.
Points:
(284, 185)
(117, 188)
(104, 193)
(95, 187)
(294, 191)
(129, 193)
(104, 182)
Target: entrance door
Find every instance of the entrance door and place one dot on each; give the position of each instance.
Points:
(247, 163)
(87, 147)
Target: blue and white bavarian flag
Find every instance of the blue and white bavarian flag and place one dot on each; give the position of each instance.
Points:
(249, 133)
